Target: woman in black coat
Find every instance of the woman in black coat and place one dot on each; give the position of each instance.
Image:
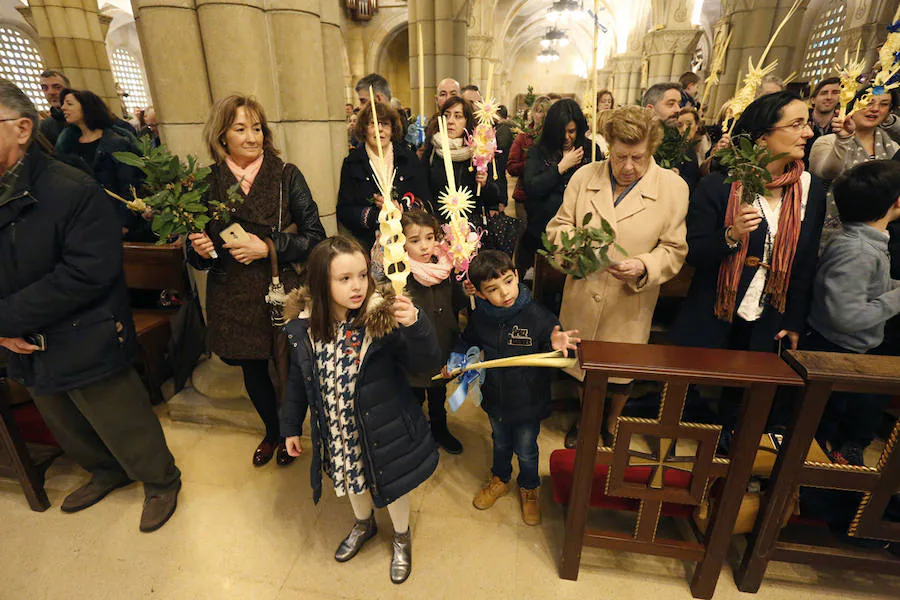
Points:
(359, 201)
(561, 150)
(276, 205)
(460, 119)
(758, 317)
(752, 290)
(93, 136)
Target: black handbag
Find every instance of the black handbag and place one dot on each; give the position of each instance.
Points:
(501, 232)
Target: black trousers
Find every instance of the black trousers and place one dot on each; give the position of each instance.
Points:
(848, 418)
(436, 397)
(262, 393)
(110, 429)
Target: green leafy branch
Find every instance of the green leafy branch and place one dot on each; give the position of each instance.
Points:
(175, 191)
(675, 148)
(585, 251)
(746, 162)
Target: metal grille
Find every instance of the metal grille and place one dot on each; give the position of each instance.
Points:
(819, 59)
(130, 76)
(20, 62)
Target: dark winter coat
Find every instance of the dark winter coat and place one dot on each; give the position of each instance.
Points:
(696, 323)
(512, 394)
(398, 451)
(61, 276)
(440, 303)
(239, 319)
(437, 178)
(355, 209)
(544, 188)
(113, 175)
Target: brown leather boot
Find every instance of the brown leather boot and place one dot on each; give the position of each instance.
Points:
(90, 494)
(489, 493)
(531, 506)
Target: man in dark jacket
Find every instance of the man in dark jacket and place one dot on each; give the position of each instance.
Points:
(64, 315)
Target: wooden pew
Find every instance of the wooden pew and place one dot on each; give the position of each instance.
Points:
(152, 267)
(760, 374)
(15, 460)
(825, 372)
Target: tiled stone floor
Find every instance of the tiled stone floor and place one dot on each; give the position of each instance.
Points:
(254, 534)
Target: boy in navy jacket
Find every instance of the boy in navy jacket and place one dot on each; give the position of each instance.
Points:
(506, 322)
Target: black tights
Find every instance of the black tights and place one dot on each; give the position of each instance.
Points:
(262, 393)
(436, 396)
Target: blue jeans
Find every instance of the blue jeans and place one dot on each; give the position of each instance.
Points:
(520, 438)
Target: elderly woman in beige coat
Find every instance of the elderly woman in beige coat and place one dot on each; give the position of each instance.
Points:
(646, 206)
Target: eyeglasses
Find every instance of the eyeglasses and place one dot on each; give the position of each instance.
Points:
(796, 126)
(10, 119)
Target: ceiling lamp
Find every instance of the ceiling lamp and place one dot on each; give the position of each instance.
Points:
(548, 55)
(555, 38)
(565, 10)
(362, 10)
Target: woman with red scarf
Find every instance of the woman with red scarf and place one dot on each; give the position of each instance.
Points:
(755, 263)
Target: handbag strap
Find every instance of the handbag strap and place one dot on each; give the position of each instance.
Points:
(281, 195)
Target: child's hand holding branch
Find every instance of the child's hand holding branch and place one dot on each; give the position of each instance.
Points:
(405, 311)
(564, 340)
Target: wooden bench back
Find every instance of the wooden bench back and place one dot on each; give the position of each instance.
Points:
(151, 267)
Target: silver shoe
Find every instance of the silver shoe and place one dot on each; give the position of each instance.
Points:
(361, 533)
(401, 561)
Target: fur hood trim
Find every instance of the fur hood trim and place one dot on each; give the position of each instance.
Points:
(379, 319)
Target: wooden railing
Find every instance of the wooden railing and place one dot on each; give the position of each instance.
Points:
(760, 374)
(825, 373)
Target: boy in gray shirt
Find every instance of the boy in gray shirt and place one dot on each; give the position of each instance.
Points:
(853, 297)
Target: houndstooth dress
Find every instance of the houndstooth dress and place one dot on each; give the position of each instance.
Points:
(337, 366)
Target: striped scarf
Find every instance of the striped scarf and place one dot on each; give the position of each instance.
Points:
(785, 246)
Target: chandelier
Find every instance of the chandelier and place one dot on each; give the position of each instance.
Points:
(362, 10)
(548, 55)
(564, 10)
(555, 38)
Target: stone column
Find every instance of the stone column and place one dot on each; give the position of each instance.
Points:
(627, 76)
(170, 35)
(866, 22)
(670, 53)
(753, 22)
(72, 39)
(444, 40)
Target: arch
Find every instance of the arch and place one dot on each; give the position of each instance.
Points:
(21, 62)
(387, 29)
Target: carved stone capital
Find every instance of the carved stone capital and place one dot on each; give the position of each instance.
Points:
(669, 41)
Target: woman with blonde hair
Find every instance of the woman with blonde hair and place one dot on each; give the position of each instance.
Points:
(277, 206)
(646, 206)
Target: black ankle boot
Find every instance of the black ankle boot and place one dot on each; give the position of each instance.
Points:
(443, 437)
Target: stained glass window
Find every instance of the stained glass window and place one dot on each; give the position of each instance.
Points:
(819, 60)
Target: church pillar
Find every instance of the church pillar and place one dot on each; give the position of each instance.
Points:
(753, 22)
(444, 40)
(72, 39)
(199, 51)
(866, 22)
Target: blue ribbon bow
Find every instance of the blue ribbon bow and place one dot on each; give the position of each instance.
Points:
(894, 27)
(415, 134)
(467, 379)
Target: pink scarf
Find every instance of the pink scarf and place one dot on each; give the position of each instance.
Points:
(245, 176)
(429, 273)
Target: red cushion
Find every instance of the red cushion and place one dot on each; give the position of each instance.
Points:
(32, 426)
(562, 463)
